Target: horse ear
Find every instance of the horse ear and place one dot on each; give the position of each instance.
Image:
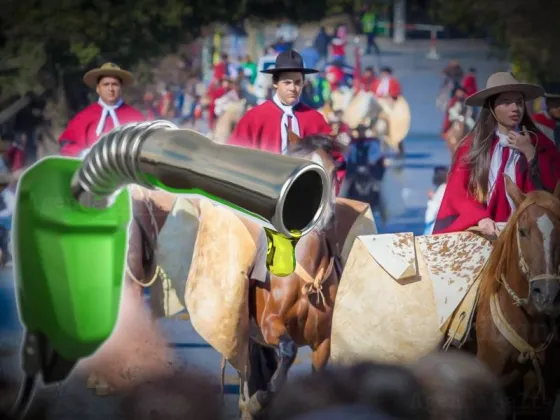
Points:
(557, 190)
(293, 138)
(513, 191)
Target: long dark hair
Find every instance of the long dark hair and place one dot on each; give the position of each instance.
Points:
(480, 151)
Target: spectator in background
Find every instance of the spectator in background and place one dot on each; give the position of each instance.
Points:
(392, 391)
(7, 205)
(452, 76)
(150, 107)
(15, 155)
(460, 387)
(548, 120)
(367, 80)
(311, 56)
(369, 27)
(238, 38)
(165, 102)
(341, 32)
(387, 85)
(321, 43)
(225, 68)
(469, 82)
(182, 396)
(249, 68)
(338, 49)
(288, 32)
(281, 46)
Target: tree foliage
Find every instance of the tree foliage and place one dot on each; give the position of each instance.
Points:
(52, 43)
(528, 31)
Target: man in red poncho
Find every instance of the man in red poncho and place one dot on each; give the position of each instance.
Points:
(548, 120)
(469, 82)
(266, 126)
(108, 112)
(386, 86)
(366, 82)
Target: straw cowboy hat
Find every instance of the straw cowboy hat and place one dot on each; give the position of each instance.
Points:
(288, 61)
(504, 82)
(108, 70)
(552, 90)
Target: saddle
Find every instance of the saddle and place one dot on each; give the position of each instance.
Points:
(458, 327)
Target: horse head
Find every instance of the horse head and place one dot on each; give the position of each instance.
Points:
(536, 227)
(318, 148)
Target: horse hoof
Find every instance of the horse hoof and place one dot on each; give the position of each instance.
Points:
(258, 402)
(245, 415)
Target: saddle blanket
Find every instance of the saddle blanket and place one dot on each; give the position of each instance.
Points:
(405, 291)
(453, 263)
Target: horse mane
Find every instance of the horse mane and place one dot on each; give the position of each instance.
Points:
(313, 142)
(505, 253)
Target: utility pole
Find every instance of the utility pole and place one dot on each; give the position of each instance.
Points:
(399, 21)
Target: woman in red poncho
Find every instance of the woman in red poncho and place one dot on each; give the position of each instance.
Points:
(504, 141)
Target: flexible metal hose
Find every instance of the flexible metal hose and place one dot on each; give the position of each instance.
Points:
(112, 163)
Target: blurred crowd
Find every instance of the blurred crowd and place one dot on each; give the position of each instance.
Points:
(441, 386)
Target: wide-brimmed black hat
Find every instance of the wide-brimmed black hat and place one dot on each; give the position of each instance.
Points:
(289, 60)
(552, 90)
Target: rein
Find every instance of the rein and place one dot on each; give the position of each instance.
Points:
(526, 351)
(158, 271)
(314, 285)
(518, 301)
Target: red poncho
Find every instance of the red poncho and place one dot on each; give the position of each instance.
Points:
(459, 210)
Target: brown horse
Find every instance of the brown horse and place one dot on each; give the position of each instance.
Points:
(295, 311)
(519, 301)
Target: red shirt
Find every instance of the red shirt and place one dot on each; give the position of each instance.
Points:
(220, 70)
(80, 133)
(367, 84)
(260, 127)
(459, 210)
(335, 76)
(394, 88)
(546, 124)
(469, 84)
(338, 47)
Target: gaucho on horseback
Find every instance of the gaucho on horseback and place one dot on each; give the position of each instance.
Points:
(101, 117)
(266, 126)
(504, 141)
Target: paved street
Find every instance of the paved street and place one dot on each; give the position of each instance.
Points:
(420, 79)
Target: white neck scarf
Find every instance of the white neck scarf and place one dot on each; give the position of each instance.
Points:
(496, 163)
(288, 112)
(383, 88)
(108, 110)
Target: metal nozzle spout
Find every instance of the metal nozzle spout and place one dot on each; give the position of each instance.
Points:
(284, 193)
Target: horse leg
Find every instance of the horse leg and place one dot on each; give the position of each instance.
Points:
(286, 349)
(320, 355)
(244, 397)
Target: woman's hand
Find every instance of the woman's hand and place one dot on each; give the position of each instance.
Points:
(522, 142)
(487, 226)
